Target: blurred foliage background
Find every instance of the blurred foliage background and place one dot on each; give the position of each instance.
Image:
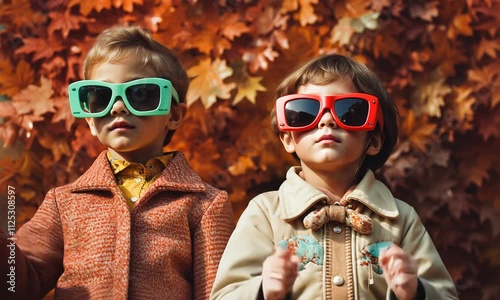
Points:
(438, 59)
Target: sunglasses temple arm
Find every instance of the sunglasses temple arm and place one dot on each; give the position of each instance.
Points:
(175, 95)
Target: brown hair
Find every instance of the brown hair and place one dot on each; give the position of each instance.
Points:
(327, 68)
(117, 43)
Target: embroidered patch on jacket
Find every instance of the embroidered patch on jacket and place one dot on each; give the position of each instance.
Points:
(308, 249)
(371, 254)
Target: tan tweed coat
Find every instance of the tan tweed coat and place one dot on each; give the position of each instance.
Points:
(85, 242)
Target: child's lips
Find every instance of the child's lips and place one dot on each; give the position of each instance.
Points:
(328, 138)
(121, 125)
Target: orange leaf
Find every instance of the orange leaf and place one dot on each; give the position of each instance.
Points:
(42, 47)
(258, 58)
(65, 22)
(488, 47)
(418, 131)
(243, 165)
(86, 6)
(248, 89)
(232, 27)
(384, 45)
(13, 81)
(128, 5)
(306, 14)
(35, 99)
(208, 83)
(460, 26)
(21, 14)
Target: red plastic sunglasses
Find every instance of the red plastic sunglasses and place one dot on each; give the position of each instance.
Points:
(354, 111)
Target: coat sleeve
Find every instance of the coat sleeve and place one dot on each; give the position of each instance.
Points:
(38, 254)
(210, 239)
(240, 269)
(432, 272)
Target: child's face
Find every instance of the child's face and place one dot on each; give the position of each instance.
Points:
(127, 136)
(326, 146)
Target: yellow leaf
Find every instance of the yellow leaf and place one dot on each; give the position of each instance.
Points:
(248, 89)
(367, 21)
(208, 83)
(429, 97)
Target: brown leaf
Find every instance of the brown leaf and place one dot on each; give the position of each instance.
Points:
(35, 99)
(13, 80)
(488, 47)
(21, 14)
(418, 131)
(424, 10)
(208, 83)
(428, 98)
(489, 124)
(63, 112)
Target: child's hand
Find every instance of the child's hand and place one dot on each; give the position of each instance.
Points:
(279, 273)
(400, 272)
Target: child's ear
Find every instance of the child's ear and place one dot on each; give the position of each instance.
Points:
(287, 140)
(376, 141)
(93, 130)
(177, 115)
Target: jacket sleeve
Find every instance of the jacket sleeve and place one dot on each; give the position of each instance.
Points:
(240, 269)
(210, 239)
(38, 257)
(432, 272)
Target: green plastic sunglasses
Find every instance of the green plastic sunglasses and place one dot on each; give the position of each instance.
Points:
(142, 97)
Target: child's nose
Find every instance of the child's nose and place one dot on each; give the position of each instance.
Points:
(119, 107)
(327, 120)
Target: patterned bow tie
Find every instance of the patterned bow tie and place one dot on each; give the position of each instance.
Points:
(340, 212)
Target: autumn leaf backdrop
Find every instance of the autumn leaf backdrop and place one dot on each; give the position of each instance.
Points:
(438, 59)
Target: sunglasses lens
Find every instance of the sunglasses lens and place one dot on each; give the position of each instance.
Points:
(94, 99)
(301, 112)
(352, 111)
(143, 97)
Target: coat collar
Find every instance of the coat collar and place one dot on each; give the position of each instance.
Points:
(177, 176)
(297, 196)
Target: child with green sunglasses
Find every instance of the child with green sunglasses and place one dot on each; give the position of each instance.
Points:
(139, 223)
(332, 230)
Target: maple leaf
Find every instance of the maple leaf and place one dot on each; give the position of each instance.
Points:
(418, 131)
(367, 21)
(248, 89)
(35, 99)
(128, 5)
(21, 14)
(342, 32)
(242, 165)
(384, 45)
(43, 48)
(489, 124)
(86, 6)
(460, 26)
(65, 22)
(462, 110)
(425, 11)
(63, 112)
(12, 81)
(208, 83)
(306, 14)
(488, 47)
(259, 57)
(231, 27)
(428, 98)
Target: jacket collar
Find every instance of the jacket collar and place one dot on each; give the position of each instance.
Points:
(297, 196)
(177, 176)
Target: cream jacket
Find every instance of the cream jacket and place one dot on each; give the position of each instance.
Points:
(336, 262)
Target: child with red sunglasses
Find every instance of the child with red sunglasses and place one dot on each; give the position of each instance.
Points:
(139, 223)
(332, 230)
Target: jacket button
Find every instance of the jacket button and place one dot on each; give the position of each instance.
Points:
(337, 229)
(338, 280)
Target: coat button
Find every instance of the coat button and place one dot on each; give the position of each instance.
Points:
(133, 199)
(337, 229)
(338, 280)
